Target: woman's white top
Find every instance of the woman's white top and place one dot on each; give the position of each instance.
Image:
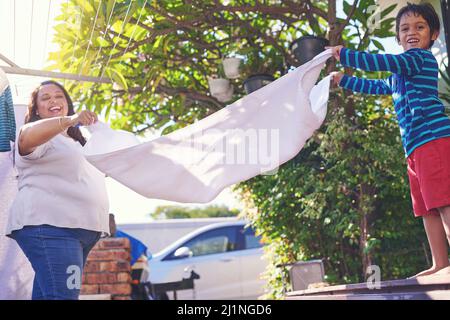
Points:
(59, 187)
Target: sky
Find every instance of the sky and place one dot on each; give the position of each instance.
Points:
(25, 38)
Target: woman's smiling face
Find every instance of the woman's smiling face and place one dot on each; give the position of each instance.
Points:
(414, 32)
(51, 102)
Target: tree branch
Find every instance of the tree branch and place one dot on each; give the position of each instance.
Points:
(347, 20)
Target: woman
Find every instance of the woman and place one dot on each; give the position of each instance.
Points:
(61, 207)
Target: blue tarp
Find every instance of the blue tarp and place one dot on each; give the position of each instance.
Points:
(137, 247)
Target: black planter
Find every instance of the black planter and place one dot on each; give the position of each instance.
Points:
(256, 82)
(307, 47)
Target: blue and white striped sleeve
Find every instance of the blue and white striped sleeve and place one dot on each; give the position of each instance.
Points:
(407, 63)
(369, 86)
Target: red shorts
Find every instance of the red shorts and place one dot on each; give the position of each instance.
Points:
(429, 176)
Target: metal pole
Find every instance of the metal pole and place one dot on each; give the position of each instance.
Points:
(51, 74)
(12, 64)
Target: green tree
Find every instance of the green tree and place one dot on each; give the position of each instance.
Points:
(177, 212)
(344, 198)
(160, 55)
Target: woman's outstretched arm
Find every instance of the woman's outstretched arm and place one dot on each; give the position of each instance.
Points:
(35, 133)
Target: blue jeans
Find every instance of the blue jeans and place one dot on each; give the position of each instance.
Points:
(58, 256)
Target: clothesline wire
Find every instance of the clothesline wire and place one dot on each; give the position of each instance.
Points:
(76, 39)
(104, 32)
(60, 49)
(14, 31)
(132, 34)
(121, 31)
(90, 38)
(46, 29)
(31, 32)
(135, 27)
(78, 21)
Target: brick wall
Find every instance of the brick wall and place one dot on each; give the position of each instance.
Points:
(108, 270)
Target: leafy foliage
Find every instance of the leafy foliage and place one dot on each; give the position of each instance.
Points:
(176, 212)
(160, 63)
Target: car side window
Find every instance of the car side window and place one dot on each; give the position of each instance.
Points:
(250, 241)
(214, 241)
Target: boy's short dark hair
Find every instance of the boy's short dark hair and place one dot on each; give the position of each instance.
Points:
(425, 10)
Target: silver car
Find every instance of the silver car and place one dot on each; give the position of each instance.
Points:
(227, 257)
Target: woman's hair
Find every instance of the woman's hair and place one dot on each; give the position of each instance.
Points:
(32, 115)
(425, 10)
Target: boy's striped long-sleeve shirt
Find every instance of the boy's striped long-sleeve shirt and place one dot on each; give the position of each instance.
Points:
(414, 89)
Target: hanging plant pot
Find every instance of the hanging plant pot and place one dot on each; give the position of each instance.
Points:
(231, 67)
(307, 47)
(218, 85)
(256, 82)
(220, 89)
(224, 97)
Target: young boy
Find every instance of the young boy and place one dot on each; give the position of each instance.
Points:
(424, 127)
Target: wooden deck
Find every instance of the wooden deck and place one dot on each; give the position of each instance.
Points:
(424, 288)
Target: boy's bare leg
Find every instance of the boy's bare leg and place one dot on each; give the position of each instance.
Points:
(437, 240)
(445, 217)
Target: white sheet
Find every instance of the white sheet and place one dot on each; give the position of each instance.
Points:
(254, 135)
(16, 273)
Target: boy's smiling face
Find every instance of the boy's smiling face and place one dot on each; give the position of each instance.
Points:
(414, 32)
